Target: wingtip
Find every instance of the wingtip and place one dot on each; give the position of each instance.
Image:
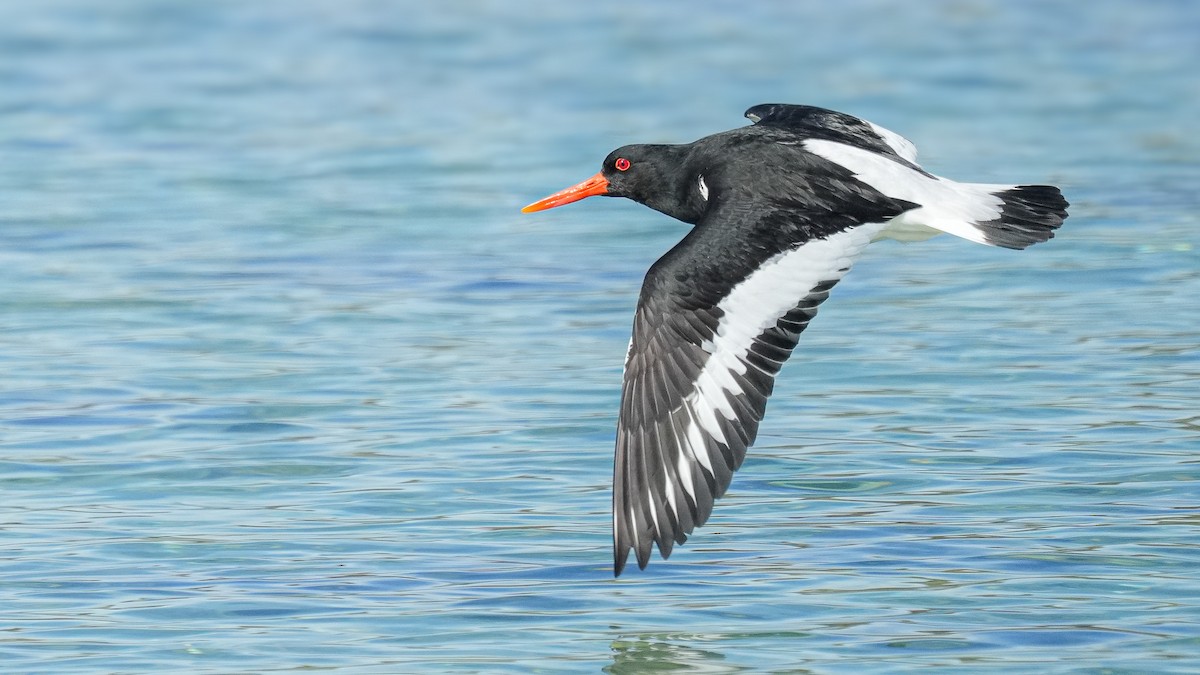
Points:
(621, 557)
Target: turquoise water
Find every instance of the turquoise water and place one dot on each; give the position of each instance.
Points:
(290, 384)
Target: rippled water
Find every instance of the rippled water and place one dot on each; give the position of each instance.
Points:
(290, 384)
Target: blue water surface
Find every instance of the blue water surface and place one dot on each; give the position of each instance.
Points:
(289, 384)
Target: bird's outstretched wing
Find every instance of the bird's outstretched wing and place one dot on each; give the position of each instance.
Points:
(712, 328)
(809, 121)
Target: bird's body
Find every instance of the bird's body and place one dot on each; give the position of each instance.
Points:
(780, 210)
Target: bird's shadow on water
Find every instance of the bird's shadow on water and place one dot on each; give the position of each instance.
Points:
(665, 652)
(650, 653)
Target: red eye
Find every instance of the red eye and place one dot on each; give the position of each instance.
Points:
(622, 164)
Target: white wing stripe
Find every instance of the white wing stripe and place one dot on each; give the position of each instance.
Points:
(946, 205)
(758, 302)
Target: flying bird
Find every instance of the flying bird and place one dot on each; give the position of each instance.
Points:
(780, 210)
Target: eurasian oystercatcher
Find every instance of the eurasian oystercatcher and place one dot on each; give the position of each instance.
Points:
(781, 209)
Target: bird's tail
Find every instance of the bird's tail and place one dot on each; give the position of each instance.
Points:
(1011, 216)
(1029, 214)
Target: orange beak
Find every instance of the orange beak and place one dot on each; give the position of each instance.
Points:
(596, 185)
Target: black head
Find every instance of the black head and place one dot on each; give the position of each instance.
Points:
(636, 172)
(647, 174)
